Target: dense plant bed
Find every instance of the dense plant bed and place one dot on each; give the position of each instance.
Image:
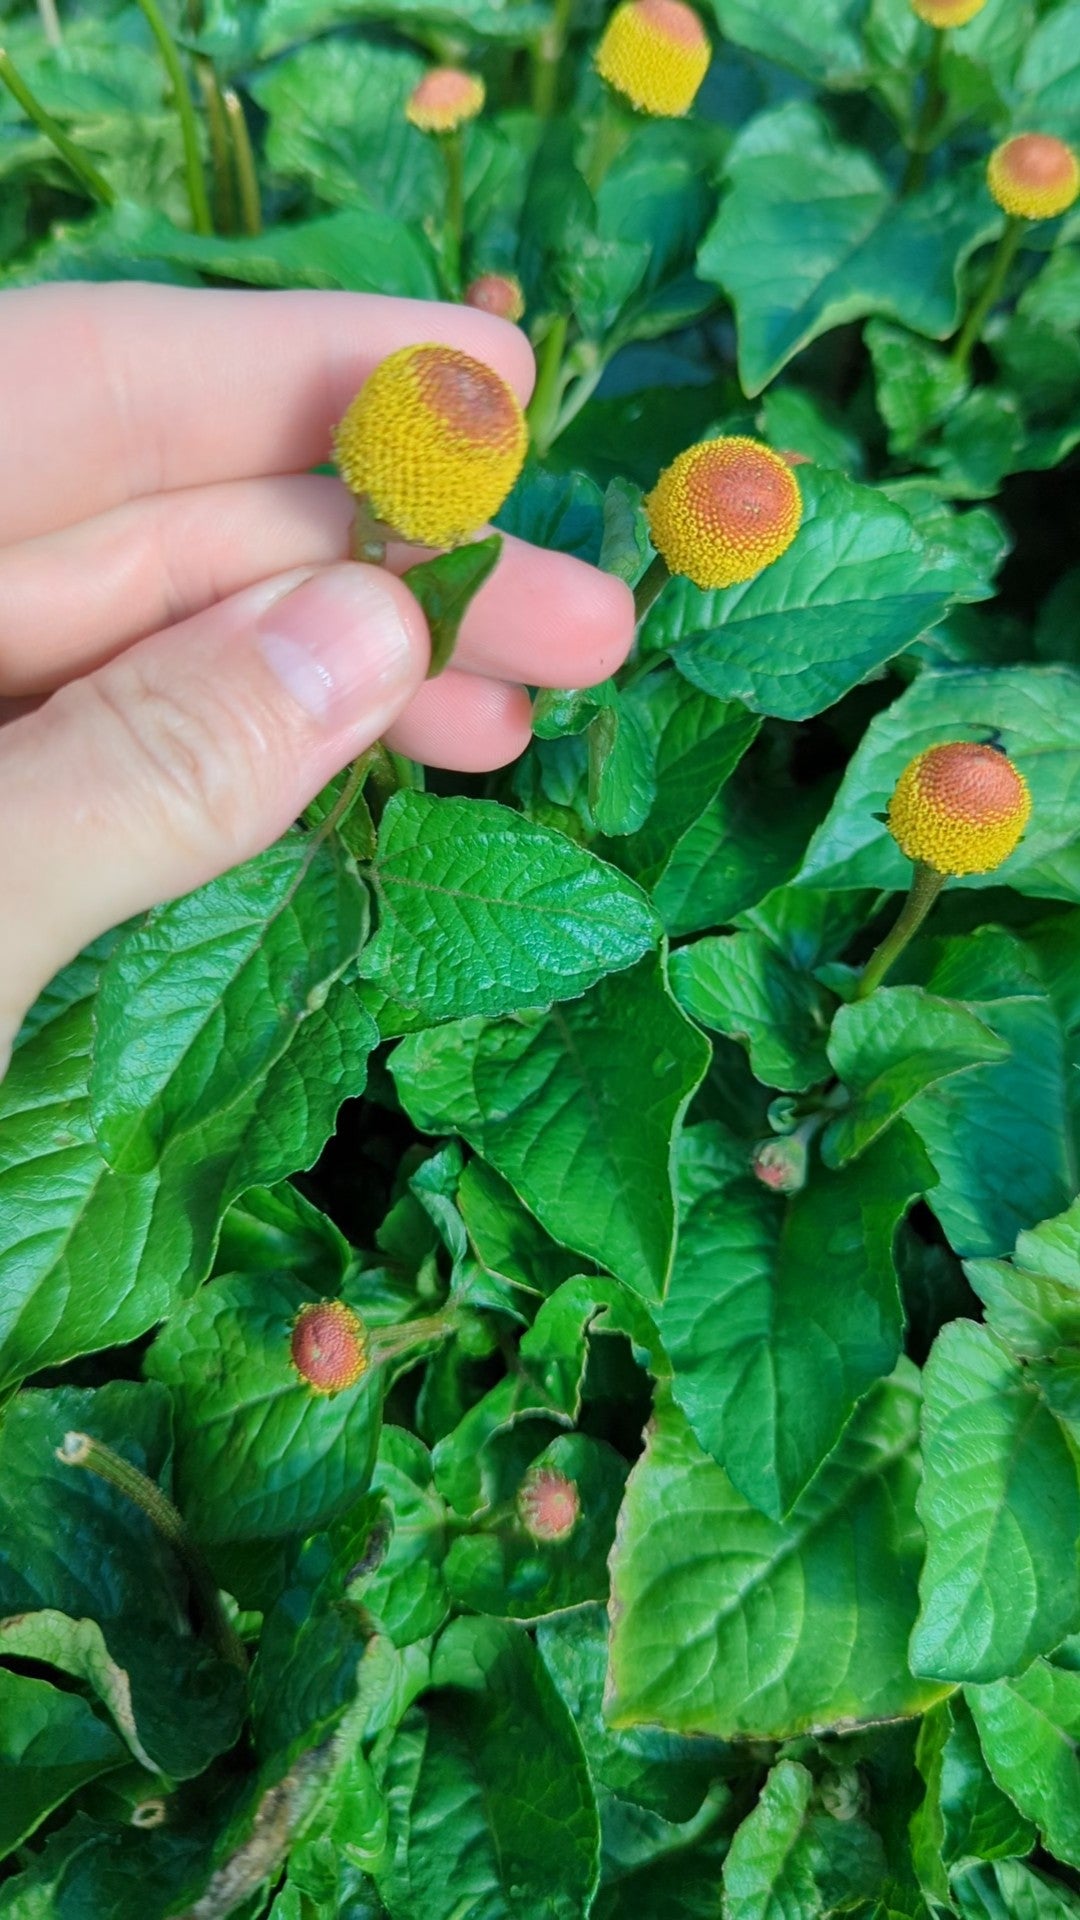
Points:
(540, 1358)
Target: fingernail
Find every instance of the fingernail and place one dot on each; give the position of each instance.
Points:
(339, 643)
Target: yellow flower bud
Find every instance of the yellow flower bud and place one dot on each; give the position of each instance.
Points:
(444, 99)
(657, 53)
(497, 293)
(1035, 175)
(328, 1347)
(959, 808)
(434, 441)
(723, 510)
(947, 13)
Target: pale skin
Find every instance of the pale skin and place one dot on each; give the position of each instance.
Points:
(186, 654)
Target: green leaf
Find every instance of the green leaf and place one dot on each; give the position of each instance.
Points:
(336, 111)
(1000, 1502)
(738, 984)
(506, 1239)
(769, 1363)
(51, 1743)
(1048, 80)
(621, 786)
(979, 1821)
(1030, 1730)
(1035, 711)
(310, 1648)
(271, 1228)
(856, 587)
(482, 911)
(445, 588)
(810, 236)
(259, 1454)
(890, 1048)
(503, 1570)
(917, 385)
(788, 1858)
(728, 1623)
(748, 841)
(75, 1554)
(560, 510)
(407, 1591)
(1009, 1890)
(489, 1795)
(359, 252)
(584, 1134)
(78, 1648)
(1033, 1300)
(818, 39)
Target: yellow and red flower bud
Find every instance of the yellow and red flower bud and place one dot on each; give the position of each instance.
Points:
(656, 53)
(328, 1346)
(959, 808)
(947, 13)
(497, 293)
(548, 1505)
(724, 510)
(444, 99)
(1034, 175)
(434, 441)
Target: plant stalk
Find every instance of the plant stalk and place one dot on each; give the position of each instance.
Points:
(80, 1450)
(50, 23)
(453, 153)
(547, 59)
(609, 136)
(247, 179)
(935, 100)
(550, 383)
(221, 160)
(185, 107)
(84, 170)
(926, 884)
(650, 586)
(993, 288)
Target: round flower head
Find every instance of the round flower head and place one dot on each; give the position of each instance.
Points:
(434, 440)
(723, 510)
(328, 1346)
(1034, 175)
(960, 808)
(497, 293)
(656, 53)
(548, 1504)
(444, 99)
(947, 13)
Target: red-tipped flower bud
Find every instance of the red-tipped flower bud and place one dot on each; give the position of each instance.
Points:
(960, 808)
(723, 510)
(328, 1347)
(444, 99)
(1034, 175)
(947, 13)
(497, 293)
(781, 1164)
(548, 1505)
(656, 53)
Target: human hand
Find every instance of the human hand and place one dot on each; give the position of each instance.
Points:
(184, 660)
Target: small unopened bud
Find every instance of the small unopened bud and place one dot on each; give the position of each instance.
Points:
(548, 1505)
(656, 54)
(947, 13)
(497, 293)
(781, 1164)
(444, 99)
(1034, 175)
(328, 1346)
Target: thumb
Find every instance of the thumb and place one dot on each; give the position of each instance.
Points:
(187, 754)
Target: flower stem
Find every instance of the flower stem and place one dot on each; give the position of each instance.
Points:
(83, 169)
(609, 136)
(50, 23)
(453, 154)
(185, 107)
(547, 59)
(550, 382)
(926, 884)
(80, 1450)
(247, 180)
(934, 103)
(650, 586)
(993, 288)
(217, 127)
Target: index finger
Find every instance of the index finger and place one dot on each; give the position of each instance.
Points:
(113, 391)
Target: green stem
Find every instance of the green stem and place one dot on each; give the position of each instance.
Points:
(220, 147)
(185, 107)
(935, 100)
(610, 134)
(993, 289)
(650, 587)
(550, 382)
(547, 59)
(926, 884)
(80, 1450)
(85, 172)
(50, 23)
(392, 1343)
(453, 153)
(247, 179)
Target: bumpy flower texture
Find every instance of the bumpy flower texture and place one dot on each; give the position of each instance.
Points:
(656, 53)
(1034, 175)
(497, 293)
(548, 1505)
(947, 13)
(434, 441)
(723, 510)
(328, 1346)
(444, 99)
(959, 808)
